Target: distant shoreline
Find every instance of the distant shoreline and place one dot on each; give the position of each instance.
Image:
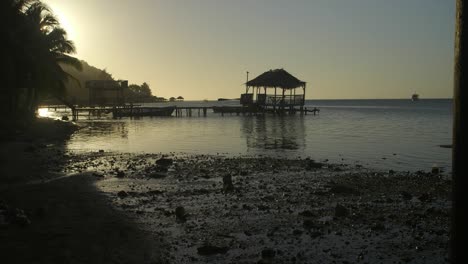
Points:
(308, 99)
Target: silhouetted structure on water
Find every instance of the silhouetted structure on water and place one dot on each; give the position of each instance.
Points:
(274, 90)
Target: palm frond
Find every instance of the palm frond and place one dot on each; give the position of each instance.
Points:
(58, 42)
(69, 60)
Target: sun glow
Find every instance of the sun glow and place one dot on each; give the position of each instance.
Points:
(43, 112)
(65, 23)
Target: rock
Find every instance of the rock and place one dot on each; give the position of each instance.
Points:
(17, 216)
(297, 232)
(122, 194)
(30, 149)
(308, 224)
(120, 174)
(307, 213)
(425, 197)
(157, 175)
(161, 168)
(101, 151)
(311, 164)
(164, 162)
(180, 214)
(435, 170)
(342, 189)
(268, 253)
(406, 195)
(65, 118)
(246, 207)
(341, 211)
(211, 250)
(227, 183)
(315, 234)
(378, 227)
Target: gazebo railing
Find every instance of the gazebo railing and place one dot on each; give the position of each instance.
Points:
(279, 100)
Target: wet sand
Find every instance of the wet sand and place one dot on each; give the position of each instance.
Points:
(130, 208)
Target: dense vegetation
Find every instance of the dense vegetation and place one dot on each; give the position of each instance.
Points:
(77, 93)
(34, 48)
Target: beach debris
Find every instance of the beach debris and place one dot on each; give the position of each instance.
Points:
(425, 197)
(307, 213)
(120, 174)
(122, 194)
(164, 162)
(312, 164)
(315, 234)
(308, 224)
(180, 214)
(101, 151)
(406, 195)
(15, 216)
(342, 189)
(377, 227)
(268, 253)
(30, 148)
(340, 210)
(211, 250)
(435, 169)
(227, 183)
(157, 175)
(297, 232)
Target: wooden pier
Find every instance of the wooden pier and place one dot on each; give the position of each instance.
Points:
(135, 111)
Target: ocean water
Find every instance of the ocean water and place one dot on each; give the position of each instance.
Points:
(380, 134)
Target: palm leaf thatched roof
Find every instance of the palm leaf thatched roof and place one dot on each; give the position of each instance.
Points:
(276, 78)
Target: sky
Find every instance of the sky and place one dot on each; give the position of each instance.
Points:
(201, 49)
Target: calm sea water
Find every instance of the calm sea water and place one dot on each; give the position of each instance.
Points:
(381, 134)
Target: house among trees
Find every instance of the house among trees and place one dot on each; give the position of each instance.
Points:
(106, 92)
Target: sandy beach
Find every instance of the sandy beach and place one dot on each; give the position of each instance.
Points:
(104, 207)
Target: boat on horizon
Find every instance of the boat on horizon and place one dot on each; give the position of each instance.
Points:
(415, 97)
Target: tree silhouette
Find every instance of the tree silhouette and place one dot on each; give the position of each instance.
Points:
(36, 45)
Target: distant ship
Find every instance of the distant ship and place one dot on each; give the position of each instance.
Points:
(415, 97)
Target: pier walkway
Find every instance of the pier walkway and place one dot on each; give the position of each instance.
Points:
(98, 112)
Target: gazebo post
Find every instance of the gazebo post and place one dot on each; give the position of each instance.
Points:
(275, 101)
(282, 100)
(294, 95)
(303, 95)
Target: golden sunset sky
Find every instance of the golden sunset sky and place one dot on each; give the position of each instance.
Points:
(202, 48)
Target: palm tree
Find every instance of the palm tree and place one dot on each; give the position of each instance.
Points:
(36, 47)
(50, 49)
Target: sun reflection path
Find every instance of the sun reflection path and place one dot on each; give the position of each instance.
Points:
(43, 112)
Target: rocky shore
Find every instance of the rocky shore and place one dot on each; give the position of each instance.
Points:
(151, 208)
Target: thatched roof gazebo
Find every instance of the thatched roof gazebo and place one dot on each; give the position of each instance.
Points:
(274, 79)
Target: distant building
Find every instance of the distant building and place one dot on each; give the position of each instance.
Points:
(106, 93)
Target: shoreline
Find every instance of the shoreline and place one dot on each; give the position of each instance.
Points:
(276, 211)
